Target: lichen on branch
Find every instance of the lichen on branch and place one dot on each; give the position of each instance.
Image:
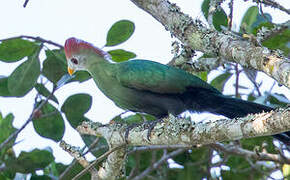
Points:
(194, 34)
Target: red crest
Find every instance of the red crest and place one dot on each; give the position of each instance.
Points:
(73, 46)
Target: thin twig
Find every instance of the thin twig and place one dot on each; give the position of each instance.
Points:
(231, 6)
(158, 147)
(63, 174)
(25, 3)
(211, 11)
(36, 39)
(262, 12)
(237, 79)
(273, 4)
(158, 163)
(99, 159)
(246, 153)
(253, 166)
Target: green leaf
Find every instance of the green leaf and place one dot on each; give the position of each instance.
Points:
(42, 177)
(101, 146)
(132, 119)
(219, 16)
(239, 171)
(4, 87)
(41, 89)
(6, 127)
(257, 142)
(278, 99)
(54, 66)
(249, 19)
(77, 168)
(81, 76)
(120, 32)
(202, 75)
(24, 77)
(279, 41)
(50, 123)
(120, 55)
(219, 81)
(75, 107)
(7, 174)
(266, 18)
(28, 162)
(15, 49)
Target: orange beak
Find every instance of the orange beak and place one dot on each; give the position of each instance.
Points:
(70, 71)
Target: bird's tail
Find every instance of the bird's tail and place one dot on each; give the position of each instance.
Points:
(229, 107)
(233, 107)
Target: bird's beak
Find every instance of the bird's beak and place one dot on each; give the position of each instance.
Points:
(70, 71)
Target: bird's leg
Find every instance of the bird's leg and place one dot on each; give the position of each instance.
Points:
(150, 126)
(129, 127)
(147, 125)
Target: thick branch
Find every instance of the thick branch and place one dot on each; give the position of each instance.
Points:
(184, 133)
(227, 46)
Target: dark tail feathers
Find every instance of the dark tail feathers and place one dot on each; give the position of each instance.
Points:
(201, 100)
(233, 108)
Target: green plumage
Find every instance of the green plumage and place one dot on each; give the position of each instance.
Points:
(154, 88)
(157, 89)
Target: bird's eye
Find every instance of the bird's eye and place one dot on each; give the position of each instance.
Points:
(74, 60)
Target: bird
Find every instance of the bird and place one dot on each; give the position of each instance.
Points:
(150, 87)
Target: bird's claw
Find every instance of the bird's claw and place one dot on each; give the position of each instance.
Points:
(150, 126)
(129, 127)
(147, 125)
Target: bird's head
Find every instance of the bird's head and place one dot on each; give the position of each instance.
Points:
(78, 53)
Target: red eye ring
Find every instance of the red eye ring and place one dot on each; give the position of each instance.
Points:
(74, 61)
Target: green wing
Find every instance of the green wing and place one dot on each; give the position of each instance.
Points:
(156, 77)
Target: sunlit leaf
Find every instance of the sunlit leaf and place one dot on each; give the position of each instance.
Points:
(120, 55)
(28, 162)
(50, 123)
(41, 89)
(219, 81)
(120, 32)
(219, 16)
(54, 66)
(249, 19)
(4, 87)
(15, 49)
(75, 107)
(6, 127)
(24, 77)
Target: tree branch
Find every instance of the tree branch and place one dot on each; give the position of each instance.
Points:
(265, 33)
(158, 163)
(111, 168)
(77, 154)
(273, 4)
(36, 39)
(218, 44)
(180, 131)
(261, 156)
(183, 133)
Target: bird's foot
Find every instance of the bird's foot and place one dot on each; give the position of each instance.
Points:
(128, 129)
(150, 125)
(147, 125)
